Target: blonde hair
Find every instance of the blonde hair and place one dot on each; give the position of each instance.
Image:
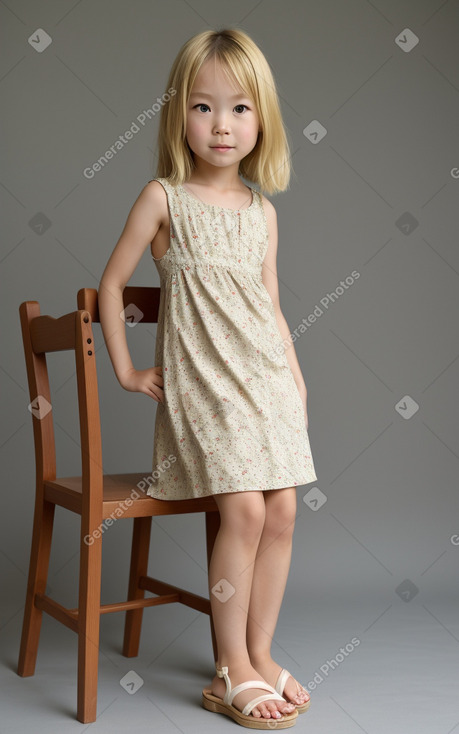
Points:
(269, 163)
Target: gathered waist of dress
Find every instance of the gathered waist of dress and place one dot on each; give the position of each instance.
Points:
(177, 264)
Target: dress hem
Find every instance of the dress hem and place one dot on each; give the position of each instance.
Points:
(233, 491)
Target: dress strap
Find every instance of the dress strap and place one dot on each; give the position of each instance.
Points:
(167, 186)
(173, 207)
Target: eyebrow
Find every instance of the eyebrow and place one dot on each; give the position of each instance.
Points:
(240, 95)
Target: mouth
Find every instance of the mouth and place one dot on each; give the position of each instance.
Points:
(222, 147)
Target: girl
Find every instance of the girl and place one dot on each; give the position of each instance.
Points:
(231, 419)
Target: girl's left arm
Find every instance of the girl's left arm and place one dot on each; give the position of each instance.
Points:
(270, 281)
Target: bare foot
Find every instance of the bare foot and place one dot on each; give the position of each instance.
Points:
(293, 691)
(240, 674)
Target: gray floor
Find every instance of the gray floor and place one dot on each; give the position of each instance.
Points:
(398, 673)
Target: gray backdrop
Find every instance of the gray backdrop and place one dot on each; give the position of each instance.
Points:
(368, 260)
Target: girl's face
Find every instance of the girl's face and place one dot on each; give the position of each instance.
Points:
(217, 114)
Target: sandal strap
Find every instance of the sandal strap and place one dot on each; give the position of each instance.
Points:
(282, 680)
(267, 697)
(223, 673)
(232, 692)
(253, 684)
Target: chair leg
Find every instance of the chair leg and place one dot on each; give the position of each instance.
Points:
(212, 527)
(139, 567)
(36, 584)
(88, 626)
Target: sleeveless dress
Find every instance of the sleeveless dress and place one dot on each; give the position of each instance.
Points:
(232, 419)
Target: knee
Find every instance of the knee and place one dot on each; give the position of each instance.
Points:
(244, 515)
(280, 514)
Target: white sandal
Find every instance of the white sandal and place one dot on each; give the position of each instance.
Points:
(244, 717)
(280, 685)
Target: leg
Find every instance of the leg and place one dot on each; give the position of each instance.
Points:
(272, 561)
(242, 515)
(38, 574)
(212, 526)
(88, 624)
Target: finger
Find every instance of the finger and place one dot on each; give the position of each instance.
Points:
(157, 394)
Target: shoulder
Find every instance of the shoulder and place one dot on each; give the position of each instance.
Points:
(154, 194)
(155, 191)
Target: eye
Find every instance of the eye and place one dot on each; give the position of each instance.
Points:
(202, 104)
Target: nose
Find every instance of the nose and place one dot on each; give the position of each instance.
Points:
(221, 126)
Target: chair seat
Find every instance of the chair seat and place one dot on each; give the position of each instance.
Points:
(117, 488)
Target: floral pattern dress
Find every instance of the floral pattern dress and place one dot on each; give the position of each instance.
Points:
(232, 419)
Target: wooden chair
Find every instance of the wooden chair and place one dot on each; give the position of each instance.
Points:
(93, 495)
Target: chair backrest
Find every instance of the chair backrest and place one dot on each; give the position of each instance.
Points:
(145, 298)
(42, 334)
(73, 331)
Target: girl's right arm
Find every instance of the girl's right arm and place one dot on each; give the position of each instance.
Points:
(147, 215)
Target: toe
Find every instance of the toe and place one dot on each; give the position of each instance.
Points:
(265, 712)
(301, 696)
(273, 710)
